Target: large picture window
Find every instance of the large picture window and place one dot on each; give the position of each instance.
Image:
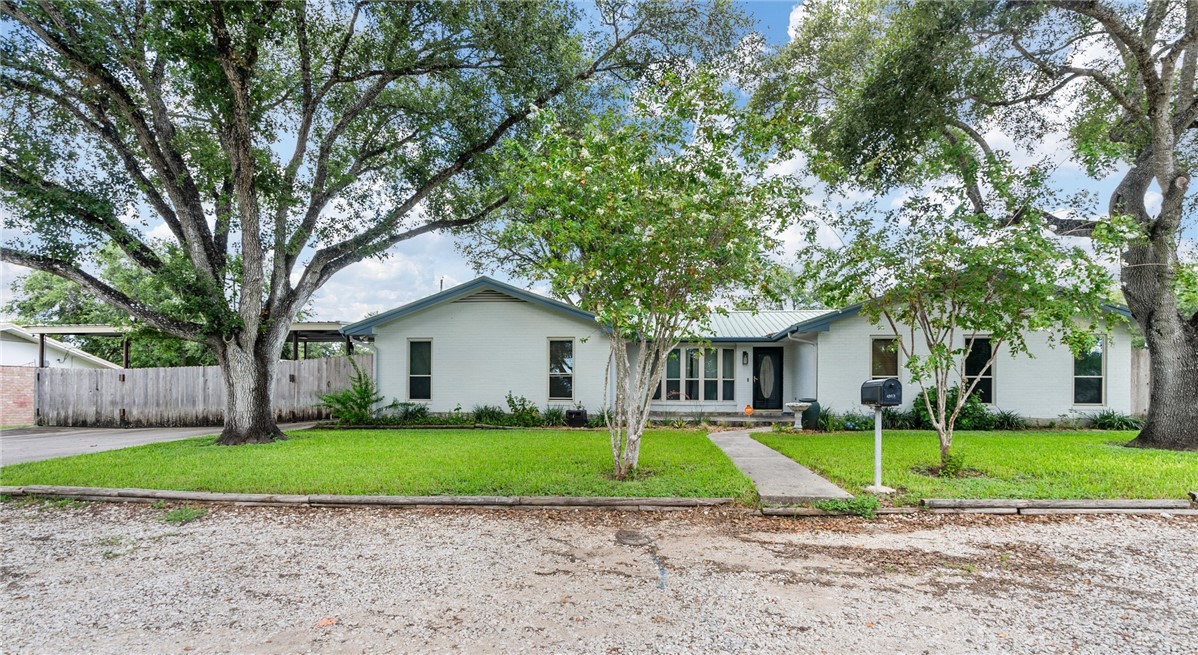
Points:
(696, 374)
(1088, 371)
(883, 358)
(979, 354)
(420, 370)
(561, 369)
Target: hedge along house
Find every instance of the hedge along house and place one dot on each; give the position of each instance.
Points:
(477, 342)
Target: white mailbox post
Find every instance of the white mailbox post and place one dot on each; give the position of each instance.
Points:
(879, 394)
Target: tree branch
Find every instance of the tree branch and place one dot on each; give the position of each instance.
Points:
(63, 269)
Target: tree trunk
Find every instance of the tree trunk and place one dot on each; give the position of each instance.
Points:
(249, 377)
(1173, 393)
(1147, 276)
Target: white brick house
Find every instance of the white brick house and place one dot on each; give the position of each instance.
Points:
(475, 343)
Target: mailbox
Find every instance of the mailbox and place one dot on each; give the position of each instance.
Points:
(882, 393)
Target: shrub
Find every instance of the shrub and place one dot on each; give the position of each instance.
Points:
(857, 422)
(952, 465)
(489, 415)
(829, 420)
(1109, 419)
(598, 419)
(410, 412)
(355, 405)
(522, 412)
(897, 419)
(554, 416)
(1008, 420)
(973, 416)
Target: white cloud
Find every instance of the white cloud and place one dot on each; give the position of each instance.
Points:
(797, 14)
(8, 274)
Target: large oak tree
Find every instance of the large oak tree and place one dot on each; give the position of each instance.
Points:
(890, 93)
(276, 143)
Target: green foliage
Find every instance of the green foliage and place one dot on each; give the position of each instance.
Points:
(183, 515)
(410, 412)
(599, 419)
(408, 463)
(489, 415)
(522, 412)
(354, 405)
(1109, 419)
(974, 414)
(952, 464)
(44, 299)
(1007, 420)
(898, 419)
(240, 154)
(833, 421)
(829, 420)
(1024, 464)
(647, 213)
(554, 416)
(866, 505)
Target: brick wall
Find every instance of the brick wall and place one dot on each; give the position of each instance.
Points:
(16, 395)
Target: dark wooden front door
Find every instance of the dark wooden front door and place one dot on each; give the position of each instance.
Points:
(767, 378)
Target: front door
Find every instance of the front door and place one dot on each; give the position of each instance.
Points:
(767, 378)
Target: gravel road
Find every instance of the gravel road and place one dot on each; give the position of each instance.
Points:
(102, 578)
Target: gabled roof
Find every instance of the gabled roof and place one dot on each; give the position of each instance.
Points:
(758, 326)
(477, 285)
(54, 344)
(823, 322)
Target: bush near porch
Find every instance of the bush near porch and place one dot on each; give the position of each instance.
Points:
(1023, 464)
(408, 463)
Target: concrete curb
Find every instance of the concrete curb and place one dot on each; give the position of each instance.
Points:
(329, 500)
(1170, 507)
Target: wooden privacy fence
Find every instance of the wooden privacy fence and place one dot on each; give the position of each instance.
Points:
(183, 396)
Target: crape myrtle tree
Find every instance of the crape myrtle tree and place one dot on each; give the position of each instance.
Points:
(272, 144)
(941, 277)
(664, 209)
(887, 93)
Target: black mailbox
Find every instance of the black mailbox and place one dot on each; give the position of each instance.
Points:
(882, 393)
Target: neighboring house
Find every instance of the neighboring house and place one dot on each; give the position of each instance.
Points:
(20, 348)
(18, 370)
(475, 343)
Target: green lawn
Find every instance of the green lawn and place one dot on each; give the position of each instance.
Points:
(407, 462)
(1083, 464)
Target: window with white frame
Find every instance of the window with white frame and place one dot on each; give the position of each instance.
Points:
(692, 373)
(561, 369)
(883, 362)
(1088, 372)
(976, 359)
(420, 369)
(699, 374)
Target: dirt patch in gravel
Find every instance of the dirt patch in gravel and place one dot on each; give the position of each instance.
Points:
(103, 578)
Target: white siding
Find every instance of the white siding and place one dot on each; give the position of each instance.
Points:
(483, 350)
(15, 351)
(1037, 388)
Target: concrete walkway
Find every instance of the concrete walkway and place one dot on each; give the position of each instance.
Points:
(32, 444)
(779, 479)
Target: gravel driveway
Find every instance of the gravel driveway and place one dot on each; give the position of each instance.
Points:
(106, 578)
